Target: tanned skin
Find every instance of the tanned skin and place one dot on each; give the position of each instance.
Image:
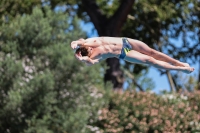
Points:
(101, 48)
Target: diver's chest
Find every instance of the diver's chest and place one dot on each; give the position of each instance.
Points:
(97, 53)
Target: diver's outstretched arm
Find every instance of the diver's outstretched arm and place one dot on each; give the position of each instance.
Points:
(90, 42)
(87, 60)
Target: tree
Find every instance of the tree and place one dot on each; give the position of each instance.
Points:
(42, 87)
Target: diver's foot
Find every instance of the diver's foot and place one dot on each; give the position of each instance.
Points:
(188, 70)
(181, 64)
(186, 64)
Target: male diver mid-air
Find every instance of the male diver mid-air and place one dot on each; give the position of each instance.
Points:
(93, 50)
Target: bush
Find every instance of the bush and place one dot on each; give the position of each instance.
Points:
(146, 112)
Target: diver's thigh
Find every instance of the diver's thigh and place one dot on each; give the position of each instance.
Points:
(137, 57)
(140, 46)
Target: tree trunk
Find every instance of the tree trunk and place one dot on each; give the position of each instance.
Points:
(171, 83)
(198, 84)
(169, 76)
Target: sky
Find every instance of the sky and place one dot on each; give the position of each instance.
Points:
(161, 82)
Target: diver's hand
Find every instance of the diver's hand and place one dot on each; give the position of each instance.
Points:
(82, 58)
(75, 44)
(78, 56)
(86, 59)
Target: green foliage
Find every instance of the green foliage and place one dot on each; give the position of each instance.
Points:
(146, 112)
(108, 7)
(145, 83)
(43, 87)
(10, 8)
(187, 82)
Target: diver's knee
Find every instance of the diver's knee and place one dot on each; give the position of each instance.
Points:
(152, 52)
(150, 60)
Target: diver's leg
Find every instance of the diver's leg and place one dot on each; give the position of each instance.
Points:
(145, 49)
(139, 58)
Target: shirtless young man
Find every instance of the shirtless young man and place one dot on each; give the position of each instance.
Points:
(93, 50)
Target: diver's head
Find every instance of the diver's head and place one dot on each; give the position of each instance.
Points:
(84, 51)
